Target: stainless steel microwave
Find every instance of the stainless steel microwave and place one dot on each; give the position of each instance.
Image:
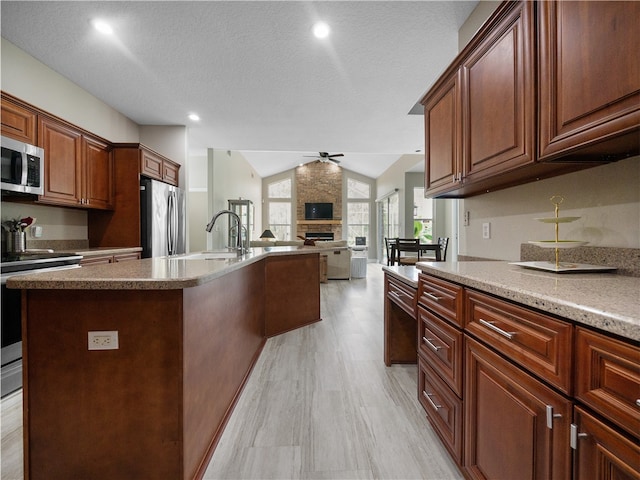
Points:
(22, 167)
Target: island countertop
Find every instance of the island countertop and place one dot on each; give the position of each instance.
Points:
(159, 273)
(605, 301)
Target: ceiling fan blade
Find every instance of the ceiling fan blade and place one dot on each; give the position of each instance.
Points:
(337, 162)
(336, 155)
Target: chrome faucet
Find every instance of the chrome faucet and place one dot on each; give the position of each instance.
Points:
(239, 246)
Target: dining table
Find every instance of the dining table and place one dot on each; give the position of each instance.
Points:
(419, 248)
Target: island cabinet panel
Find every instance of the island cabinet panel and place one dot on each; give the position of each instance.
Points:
(103, 414)
(400, 304)
(223, 336)
(589, 80)
(292, 286)
(507, 433)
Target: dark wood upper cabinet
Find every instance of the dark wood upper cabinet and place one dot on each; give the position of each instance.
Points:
(499, 97)
(589, 80)
(542, 89)
(78, 168)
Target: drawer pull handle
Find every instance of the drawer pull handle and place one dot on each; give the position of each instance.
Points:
(498, 330)
(429, 342)
(637, 402)
(575, 435)
(432, 296)
(433, 404)
(551, 416)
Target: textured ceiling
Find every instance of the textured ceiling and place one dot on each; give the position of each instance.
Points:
(261, 83)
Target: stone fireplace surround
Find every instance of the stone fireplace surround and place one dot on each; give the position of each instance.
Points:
(319, 182)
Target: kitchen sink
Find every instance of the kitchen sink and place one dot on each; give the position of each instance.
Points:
(214, 255)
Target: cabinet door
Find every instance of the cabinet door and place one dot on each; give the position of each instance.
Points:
(589, 79)
(602, 453)
(499, 97)
(151, 165)
(18, 122)
(62, 163)
(506, 420)
(170, 172)
(608, 379)
(98, 174)
(442, 120)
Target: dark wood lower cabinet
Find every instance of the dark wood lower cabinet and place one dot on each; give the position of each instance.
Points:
(602, 453)
(508, 435)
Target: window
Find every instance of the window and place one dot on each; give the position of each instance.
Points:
(422, 216)
(279, 208)
(358, 210)
(389, 212)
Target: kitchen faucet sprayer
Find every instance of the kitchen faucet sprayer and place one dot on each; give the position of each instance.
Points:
(209, 227)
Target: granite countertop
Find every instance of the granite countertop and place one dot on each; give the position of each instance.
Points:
(605, 301)
(160, 273)
(407, 274)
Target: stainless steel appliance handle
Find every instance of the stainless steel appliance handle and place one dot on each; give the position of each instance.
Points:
(169, 220)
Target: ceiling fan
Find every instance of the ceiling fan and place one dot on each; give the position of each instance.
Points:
(325, 157)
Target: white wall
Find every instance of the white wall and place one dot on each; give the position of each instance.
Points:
(230, 176)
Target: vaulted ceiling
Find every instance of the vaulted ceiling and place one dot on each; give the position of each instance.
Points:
(260, 81)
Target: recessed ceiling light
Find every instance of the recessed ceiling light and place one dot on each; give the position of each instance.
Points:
(321, 30)
(103, 27)
(194, 117)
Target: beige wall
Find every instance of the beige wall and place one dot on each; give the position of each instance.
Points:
(32, 81)
(606, 198)
(230, 176)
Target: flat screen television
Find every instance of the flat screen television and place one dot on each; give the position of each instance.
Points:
(318, 211)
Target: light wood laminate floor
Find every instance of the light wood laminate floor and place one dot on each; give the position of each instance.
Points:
(320, 404)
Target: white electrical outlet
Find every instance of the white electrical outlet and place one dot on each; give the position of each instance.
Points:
(466, 218)
(486, 230)
(107, 340)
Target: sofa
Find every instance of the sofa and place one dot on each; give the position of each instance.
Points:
(337, 252)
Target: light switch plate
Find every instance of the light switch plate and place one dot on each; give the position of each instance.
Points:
(486, 230)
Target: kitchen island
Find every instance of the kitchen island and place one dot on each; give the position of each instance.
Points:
(132, 369)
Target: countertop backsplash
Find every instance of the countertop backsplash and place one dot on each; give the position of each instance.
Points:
(626, 260)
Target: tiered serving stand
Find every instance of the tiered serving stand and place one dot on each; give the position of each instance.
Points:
(557, 244)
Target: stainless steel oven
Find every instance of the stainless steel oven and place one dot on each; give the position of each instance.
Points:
(22, 167)
(11, 335)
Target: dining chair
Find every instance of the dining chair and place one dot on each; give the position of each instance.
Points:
(444, 243)
(389, 244)
(408, 245)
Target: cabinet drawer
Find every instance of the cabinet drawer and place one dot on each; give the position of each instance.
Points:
(608, 378)
(443, 407)
(539, 343)
(441, 297)
(402, 295)
(96, 260)
(441, 344)
(124, 257)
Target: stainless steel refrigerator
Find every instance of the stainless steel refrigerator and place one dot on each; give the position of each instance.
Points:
(162, 219)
